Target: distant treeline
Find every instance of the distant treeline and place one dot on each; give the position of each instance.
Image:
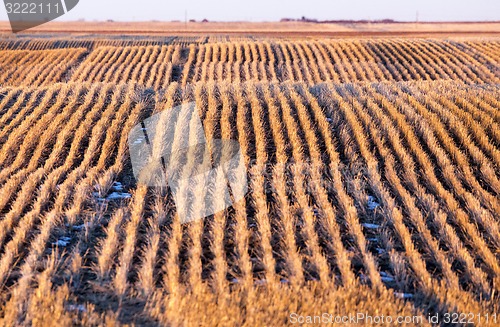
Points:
(378, 21)
(313, 20)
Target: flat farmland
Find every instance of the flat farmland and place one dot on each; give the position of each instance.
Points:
(373, 168)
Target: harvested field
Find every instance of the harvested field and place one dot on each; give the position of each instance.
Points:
(373, 172)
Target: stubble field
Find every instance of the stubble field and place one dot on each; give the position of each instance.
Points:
(373, 169)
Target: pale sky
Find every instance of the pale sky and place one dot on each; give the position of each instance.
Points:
(273, 10)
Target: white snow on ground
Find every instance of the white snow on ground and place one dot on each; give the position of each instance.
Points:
(117, 186)
(118, 196)
(372, 204)
(403, 295)
(371, 226)
(76, 307)
(63, 242)
(112, 196)
(385, 277)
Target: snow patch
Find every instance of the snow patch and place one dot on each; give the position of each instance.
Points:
(118, 195)
(371, 226)
(76, 307)
(62, 242)
(117, 186)
(385, 277)
(372, 204)
(404, 295)
(112, 196)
